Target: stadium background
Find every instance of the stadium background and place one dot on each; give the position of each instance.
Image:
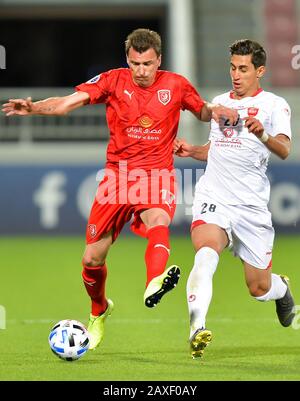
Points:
(49, 166)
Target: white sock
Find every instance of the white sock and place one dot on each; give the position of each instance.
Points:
(277, 290)
(199, 287)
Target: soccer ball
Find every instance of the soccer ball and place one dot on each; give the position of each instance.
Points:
(69, 340)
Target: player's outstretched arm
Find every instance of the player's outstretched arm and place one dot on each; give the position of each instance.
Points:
(216, 112)
(182, 149)
(51, 106)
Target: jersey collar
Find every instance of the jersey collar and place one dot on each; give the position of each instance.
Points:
(259, 90)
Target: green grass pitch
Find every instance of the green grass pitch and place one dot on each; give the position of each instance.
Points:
(40, 284)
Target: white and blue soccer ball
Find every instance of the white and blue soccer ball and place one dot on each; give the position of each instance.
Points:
(69, 340)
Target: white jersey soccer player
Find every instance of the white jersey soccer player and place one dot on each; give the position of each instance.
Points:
(231, 198)
(235, 176)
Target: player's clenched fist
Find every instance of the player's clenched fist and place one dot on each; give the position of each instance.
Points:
(219, 111)
(181, 148)
(254, 126)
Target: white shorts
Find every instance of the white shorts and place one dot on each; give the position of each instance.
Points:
(249, 229)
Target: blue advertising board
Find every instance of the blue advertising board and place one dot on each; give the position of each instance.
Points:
(57, 200)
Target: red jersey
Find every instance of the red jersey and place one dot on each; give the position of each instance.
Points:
(143, 122)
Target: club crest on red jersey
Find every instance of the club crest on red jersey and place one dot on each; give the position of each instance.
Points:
(92, 230)
(252, 111)
(164, 96)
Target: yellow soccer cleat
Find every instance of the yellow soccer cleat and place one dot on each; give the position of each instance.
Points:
(200, 339)
(96, 326)
(160, 285)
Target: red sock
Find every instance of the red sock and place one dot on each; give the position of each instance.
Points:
(94, 280)
(157, 252)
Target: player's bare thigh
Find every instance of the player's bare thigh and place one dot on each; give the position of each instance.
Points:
(95, 253)
(210, 235)
(155, 217)
(258, 280)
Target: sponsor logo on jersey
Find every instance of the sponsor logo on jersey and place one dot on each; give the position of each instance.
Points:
(129, 94)
(228, 132)
(164, 96)
(92, 230)
(145, 121)
(252, 111)
(94, 79)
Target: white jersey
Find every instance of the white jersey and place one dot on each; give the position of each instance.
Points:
(237, 160)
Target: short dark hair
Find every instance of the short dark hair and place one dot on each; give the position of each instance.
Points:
(244, 47)
(143, 39)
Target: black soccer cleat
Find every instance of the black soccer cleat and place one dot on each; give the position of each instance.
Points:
(285, 307)
(160, 285)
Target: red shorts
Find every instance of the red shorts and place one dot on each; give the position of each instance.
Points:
(120, 196)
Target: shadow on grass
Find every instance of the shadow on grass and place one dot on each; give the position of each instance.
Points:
(268, 354)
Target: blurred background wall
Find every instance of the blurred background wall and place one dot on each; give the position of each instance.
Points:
(48, 165)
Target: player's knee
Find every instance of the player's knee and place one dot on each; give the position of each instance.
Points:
(254, 291)
(93, 260)
(258, 289)
(155, 217)
(160, 220)
(215, 245)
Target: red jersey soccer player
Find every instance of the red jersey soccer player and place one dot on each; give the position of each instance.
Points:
(143, 106)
